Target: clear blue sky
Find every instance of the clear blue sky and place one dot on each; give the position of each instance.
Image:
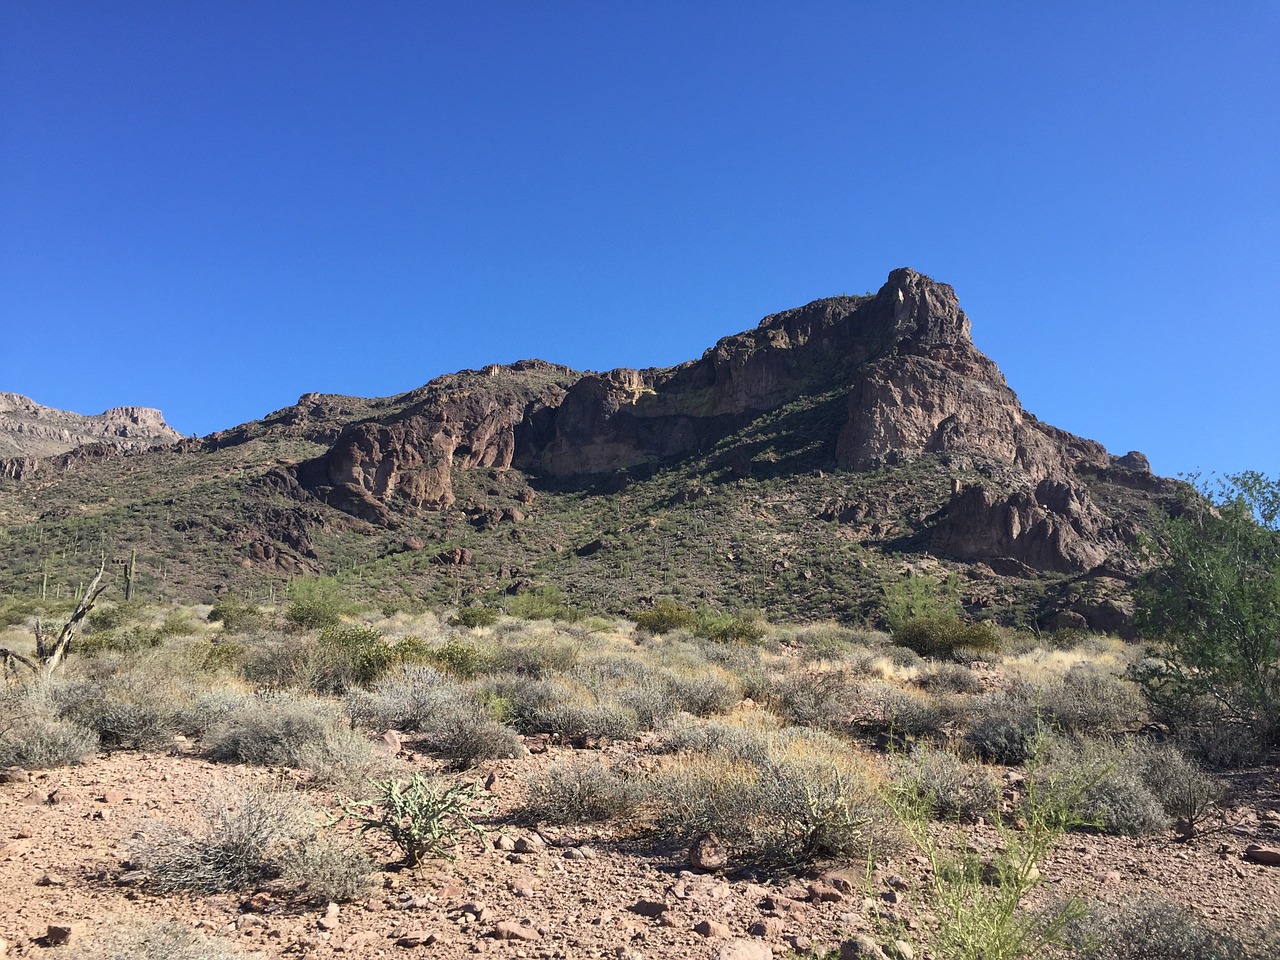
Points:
(213, 207)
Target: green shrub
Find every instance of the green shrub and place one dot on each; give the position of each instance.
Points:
(423, 816)
(729, 628)
(942, 635)
(664, 617)
(474, 617)
(461, 659)
(235, 613)
(544, 603)
(1212, 602)
(315, 603)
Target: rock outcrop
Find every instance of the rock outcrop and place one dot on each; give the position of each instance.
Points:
(913, 384)
(31, 431)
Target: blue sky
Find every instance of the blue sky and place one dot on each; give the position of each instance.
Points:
(214, 207)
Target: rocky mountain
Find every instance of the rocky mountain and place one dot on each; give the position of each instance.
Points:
(29, 430)
(800, 463)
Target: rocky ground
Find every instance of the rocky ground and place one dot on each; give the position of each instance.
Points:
(65, 835)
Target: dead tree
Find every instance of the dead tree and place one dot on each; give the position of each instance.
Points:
(52, 650)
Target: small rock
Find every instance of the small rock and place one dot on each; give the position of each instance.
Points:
(414, 938)
(894, 881)
(861, 947)
(711, 928)
(903, 950)
(511, 930)
(770, 928)
(745, 950)
(574, 853)
(1260, 854)
(504, 843)
(62, 933)
(824, 893)
(648, 908)
(52, 880)
(708, 854)
(393, 742)
(532, 843)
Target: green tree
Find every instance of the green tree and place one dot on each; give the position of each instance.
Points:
(1213, 604)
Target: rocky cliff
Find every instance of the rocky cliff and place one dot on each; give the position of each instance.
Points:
(29, 430)
(912, 382)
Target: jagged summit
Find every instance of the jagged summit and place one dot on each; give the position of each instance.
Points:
(28, 429)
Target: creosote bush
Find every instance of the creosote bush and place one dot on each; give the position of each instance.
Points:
(943, 635)
(664, 617)
(150, 940)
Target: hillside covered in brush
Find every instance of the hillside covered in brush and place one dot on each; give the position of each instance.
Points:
(796, 467)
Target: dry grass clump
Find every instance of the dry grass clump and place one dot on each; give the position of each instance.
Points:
(807, 799)
(153, 940)
(34, 736)
(1152, 929)
(249, 838)
(578, 791)
(951, 787)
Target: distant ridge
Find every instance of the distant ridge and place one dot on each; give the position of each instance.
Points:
(28, 429)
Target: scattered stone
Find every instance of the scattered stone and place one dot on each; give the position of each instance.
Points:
(511, 930)
(894, 881)
(504, 843)
(414, 938)
(903, 950)
(574, 853)
(861, 947)
(745, 950)
(394, 742)
(531, 843)
(52, 880)
(770, 928)
(820, 892)
(711, 928)
(842, 880)
(1260, 854)
(648, 908)
(59, 934)
(708, 854)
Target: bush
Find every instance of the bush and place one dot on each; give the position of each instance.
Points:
(942, 635)
(728, 628)
(1213, 602)
(807, 801)
(544, 603)
(34, 738)
(665, 617)
(323, 870)
(950, 786)
(950, 678)
(278, 731)
(1003, 731)
(242, 845)
(1086, 700)
(149, 940)
(235, 614)
(474, 617)
(316, 603)
(1149, 929)
(577, 791)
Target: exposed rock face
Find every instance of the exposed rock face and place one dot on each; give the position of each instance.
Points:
(912, 384)
(29, 430)
(464, 420)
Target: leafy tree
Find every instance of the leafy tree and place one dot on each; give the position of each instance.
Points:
(1213, 602)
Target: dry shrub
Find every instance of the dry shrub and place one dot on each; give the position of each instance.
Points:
(151, 940)
(951, 787)
(32, 735)
(578, 791)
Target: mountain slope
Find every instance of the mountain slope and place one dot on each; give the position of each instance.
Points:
(794, 467)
